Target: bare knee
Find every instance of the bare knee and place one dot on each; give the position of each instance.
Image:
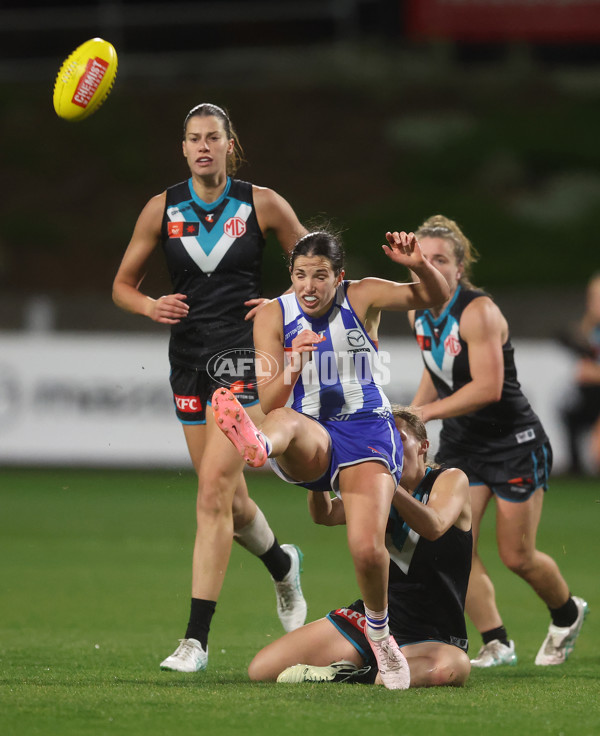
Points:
(450, 674)
(368, 556)
(259, 670)
(215, 496)
(518, 561)
(437, 665)
(255, 670)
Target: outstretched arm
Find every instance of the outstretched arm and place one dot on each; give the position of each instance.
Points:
(431, 289)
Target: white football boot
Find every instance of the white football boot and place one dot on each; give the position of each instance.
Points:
(188, 657)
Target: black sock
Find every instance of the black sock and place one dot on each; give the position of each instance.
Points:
(277, 561)
(201, 614)
(499, 633)
(565, 615)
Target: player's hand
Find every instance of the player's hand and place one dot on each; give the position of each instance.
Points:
(426, 412)
(403, 248)
(256, 304)
(303, 346)
(306, 342)
(169, 309)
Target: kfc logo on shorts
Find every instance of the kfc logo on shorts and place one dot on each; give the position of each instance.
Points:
(188, 404)
(235, 227)
(356, 618)
(452, 346)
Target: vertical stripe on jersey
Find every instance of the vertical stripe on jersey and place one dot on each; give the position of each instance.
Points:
(337, 382)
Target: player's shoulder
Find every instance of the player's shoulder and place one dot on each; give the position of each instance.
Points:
(268, 312)
(264, 196)
(452, 475)
(155, 207)
(452, 485)
(481, 311)
(474, 299)
(366, 286)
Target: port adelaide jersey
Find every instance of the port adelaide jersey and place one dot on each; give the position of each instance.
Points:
(214, 256)
(504, 427)
(428, 579)
(343, 376)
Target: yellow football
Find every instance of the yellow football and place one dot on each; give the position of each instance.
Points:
(85, 79)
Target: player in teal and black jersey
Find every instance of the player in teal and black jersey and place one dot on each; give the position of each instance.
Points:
(212, 230)
(429, 541)
(489, 431)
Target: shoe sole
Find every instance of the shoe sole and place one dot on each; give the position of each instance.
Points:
(512, 663)
(299, 673)
(236, 425)
(311, 673)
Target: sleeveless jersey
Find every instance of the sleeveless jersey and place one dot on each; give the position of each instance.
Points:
(503, 428)
(428, 580)
(214, 256)
(341, 378)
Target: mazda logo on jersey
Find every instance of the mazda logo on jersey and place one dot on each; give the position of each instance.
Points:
(181, 229)
(355, 338)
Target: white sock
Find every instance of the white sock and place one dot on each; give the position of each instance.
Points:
(377, 624)
(257, 536)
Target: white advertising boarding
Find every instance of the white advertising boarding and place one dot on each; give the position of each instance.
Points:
(72, 399)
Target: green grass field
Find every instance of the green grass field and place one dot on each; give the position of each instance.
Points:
(95, 592)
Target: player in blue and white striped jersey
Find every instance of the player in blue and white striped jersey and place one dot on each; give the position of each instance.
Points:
(329, 423)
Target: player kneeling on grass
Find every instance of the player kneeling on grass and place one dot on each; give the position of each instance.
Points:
(429, 540)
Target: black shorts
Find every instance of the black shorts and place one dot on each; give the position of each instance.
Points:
(350, 622)
(512, 479)
(193, 389)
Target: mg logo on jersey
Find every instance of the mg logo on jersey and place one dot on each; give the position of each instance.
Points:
(188, 404)
(452, 346)
(355, 338)
(235, 227)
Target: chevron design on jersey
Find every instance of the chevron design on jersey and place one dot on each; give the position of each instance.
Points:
(439, 359)
(208, 254)
(402, 541)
